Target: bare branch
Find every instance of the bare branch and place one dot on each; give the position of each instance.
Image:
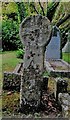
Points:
(51, 10)
(63, 20)
(34, 8)
(65, 26)
(41, 7)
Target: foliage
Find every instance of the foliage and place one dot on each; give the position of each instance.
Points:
(13, 13)
(47, 74)
(17, 11)
(21, 11)
(20, 53)
(10, 35)
(9, 7)
(62, 10)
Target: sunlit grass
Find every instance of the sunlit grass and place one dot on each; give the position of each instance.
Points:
(66, 57)
(9, 61)
(10, 102)
(0, 84)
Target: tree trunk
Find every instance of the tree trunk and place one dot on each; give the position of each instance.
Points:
(51, 10)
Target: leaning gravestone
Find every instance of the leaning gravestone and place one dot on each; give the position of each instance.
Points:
(53, 48)
(34, 32)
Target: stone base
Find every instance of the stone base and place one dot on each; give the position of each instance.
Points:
(58, 68)
(60, 85)
(30, 94)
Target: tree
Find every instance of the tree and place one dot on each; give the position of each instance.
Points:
(10, 26)
(51, 10)
(21, 11)
(57, 12)
(63, 15)
(63, 20)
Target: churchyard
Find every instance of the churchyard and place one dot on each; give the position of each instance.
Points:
(37, 86)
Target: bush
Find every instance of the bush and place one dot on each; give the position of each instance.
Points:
(20, 53)
(10, 35)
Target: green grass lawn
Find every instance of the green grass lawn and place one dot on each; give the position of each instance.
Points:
(66, 57)
(0, 65)
(0, 84)
(9, 60)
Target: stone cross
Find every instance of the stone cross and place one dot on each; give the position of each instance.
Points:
(35, 33)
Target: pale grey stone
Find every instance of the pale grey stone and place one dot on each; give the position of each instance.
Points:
(35, 32)
(64, 99)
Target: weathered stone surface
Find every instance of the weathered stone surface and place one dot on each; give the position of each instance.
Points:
(64, 99)
(60, 86)
(58, 68)
(11, 81)
(30, 89)
(34, 32)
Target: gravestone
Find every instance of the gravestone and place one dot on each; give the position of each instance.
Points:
(66, 48)
(53, 48)
(35, 33)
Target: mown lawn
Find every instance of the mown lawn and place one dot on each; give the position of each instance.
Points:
(0, 67)
(66, 57)
(0, 83)
(9, 60)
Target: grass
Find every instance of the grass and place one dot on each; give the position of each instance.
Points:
(0, 83)
(10, 102)
(66, 57)
(9, 60)
(0, 67)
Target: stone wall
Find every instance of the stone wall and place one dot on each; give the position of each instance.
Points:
(11, 81)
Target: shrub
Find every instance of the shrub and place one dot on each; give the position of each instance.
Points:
(20, 53)
(10, 35)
